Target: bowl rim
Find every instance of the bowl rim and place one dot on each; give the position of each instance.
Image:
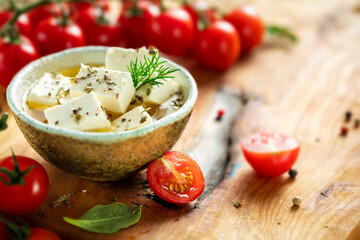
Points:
(94, 136)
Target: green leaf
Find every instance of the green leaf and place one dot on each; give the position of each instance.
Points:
(107, 218)
(279, 31)
(3, 120)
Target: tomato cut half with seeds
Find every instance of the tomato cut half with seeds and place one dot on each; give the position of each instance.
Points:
(270, 154)
(176, 178)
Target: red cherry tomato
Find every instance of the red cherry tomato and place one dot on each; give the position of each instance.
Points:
(173, 32)
(23, 199)
(45, 11)
(99, 28)
(23, 22)
(84, 5)
(270, 154)
(218, 46)
(4, 235)
(51, 37)
(200, 7)
(136, 22)
(248, 25)
(42, 234)
(176, 178)
(14, 56)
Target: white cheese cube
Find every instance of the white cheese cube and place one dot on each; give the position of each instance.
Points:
(119, 58)
(160, 93)
(45, 93)
(114, 89)
(83, 113)
(133, 119)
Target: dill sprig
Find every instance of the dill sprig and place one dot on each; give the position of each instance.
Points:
(150, 71)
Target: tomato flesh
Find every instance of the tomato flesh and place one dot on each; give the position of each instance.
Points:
(37, 233)
(270, 154)
(176, 178)
(27, 198)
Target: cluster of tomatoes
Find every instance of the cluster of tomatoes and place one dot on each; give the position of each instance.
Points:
(193, 30)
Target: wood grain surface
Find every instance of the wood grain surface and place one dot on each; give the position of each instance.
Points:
(301, 90)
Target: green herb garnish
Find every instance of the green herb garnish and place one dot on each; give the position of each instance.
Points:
(3, 119)
(107, 218)
(150, 71)
(278, 31)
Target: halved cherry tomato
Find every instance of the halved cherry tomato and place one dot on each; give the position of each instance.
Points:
(218, 46)
(52, 37)
(14, 56)
(248, 25)
(24, 191)
(173, 32)
(270, 154)
(176, 178)
(136, 20)
(23, 22)
(99, 27)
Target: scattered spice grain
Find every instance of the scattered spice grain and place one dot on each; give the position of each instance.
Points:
(292, 173)
(297, 200)
(343, 131)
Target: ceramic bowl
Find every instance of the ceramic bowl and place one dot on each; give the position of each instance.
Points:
(97, 156)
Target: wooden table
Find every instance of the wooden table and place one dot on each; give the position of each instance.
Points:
(302, 90)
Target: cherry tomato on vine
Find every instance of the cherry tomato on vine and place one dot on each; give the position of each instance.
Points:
(270, 154)
(248, 25)
(176, 178)
(14, 56)
(99, 27)
(200, 11)
(52, 36)
(45, 11)
(42, 234)
(23, 22)
(136, 21)
(218, 46)
(173, 32)
(84, 5)
(26, 187)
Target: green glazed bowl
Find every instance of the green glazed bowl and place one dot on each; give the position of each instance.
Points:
(97, 156)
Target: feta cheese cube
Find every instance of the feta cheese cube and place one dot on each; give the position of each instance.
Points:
(133, 119)
(83, 113)
(158, 94)
(114, 89)
(119, 58)
(45, 93)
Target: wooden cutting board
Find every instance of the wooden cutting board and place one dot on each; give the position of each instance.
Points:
(301, 90)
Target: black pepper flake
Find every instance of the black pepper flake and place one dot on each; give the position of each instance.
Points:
(96, 114)
(143, 119)
(139, 98)
(75, 111)
(56, 122)
(89, 84)
(78, 117)
(49, 94)
(133, 102)
(357, 123)
(87, 113)
(292, 173)
(106, 78)
(88, 89)
(110, 89)
(148, 91)
(117, 95)
(237, 204)
(348, 115)
(123, 120)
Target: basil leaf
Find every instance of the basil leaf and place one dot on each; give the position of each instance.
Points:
(107, 218)
(3, 120)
